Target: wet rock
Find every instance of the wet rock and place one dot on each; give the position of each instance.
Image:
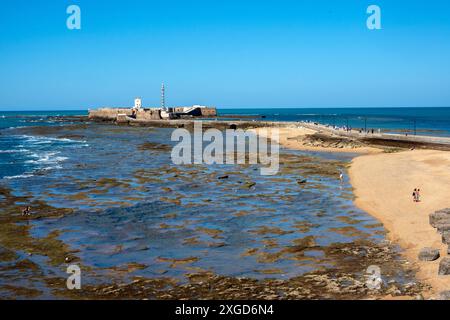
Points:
(444, 267)
(429, 254)
(154, 147)
(249, 184)
(394, 290)
(446, 237)
(440, 217)
(443, 227)
(302, 181)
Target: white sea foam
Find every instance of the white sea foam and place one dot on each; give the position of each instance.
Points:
(14, 151)
(40, 153)
(52, 168)
(45, 140)
(46, 157)
(20, 176)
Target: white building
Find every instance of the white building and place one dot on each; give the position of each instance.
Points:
(138, 103)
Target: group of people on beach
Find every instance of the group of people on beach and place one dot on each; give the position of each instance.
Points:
(416, 195)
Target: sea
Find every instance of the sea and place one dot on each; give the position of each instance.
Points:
(424, 121)
(18, 160)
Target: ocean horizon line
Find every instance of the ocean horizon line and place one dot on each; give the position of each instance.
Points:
(236, 108)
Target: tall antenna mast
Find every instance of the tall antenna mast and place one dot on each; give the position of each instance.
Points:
(163, 97)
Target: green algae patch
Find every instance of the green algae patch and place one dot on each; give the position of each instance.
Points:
(7, 255)
(170, 200)
(214, 233)
(191, 241)
(269, 257)
(348, 220)
(151, 146)
(270, 271)
(17, 237)
(15, 229)
(304, 226)
(250, 252)
(242, 213)
(373, 226)
(133, 266)
(22, 292)
(264, 230)
(348, 231)
(248, 185)
(78, 196)
(176, 262)
(270, 243)
(111, 183)
(301, 244)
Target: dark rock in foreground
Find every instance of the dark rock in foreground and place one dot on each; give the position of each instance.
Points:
(443, 227)
(446, 237)
(440, 217)
(429, 254)
(444, 267)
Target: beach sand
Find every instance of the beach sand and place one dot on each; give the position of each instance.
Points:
(291, 138)
(383, 185)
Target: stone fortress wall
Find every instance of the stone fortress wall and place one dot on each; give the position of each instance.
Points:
(143, 114)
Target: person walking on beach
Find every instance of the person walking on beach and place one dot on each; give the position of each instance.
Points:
(414, 195)
(418, 195)
(341, 176)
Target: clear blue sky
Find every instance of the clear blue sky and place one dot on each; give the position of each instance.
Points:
(314, 53)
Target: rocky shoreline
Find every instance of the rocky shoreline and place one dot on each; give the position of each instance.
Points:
(347, 280)
(343, 275)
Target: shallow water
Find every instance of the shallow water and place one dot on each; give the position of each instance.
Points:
(137, 214)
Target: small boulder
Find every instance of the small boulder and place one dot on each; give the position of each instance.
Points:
(439, 217)
(443, 227)
(444, 267)
(446, 237)
(429, 254)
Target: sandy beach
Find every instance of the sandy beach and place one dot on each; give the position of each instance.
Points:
(383, 185)
(297, 138)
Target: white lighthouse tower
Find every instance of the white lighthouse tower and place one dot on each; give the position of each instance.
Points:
(137, 103)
